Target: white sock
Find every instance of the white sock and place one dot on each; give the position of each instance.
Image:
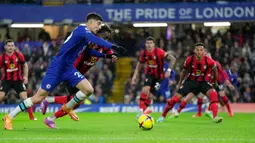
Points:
(52, 118)
(50, 99)
(27, 103)
(15, 112)
(79, 96)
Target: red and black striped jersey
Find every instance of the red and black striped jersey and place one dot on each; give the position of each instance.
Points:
(11, 66)
(84, 62)
(154, 61)
(222, 75)
(199, 70)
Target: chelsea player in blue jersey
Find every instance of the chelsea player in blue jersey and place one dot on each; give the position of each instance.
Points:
(61, 68)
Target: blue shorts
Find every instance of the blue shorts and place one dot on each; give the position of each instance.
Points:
(55, 75)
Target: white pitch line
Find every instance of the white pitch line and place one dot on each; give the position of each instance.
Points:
(130, 138)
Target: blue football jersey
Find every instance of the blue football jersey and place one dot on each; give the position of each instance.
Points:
(78, 41)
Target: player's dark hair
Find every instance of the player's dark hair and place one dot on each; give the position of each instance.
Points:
(94, 16)
(105, 28)
(8, 41)
(150, 39)
(199, 44)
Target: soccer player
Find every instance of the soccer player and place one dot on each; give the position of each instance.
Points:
(154, 58)
(222, 79)
(83, 63)
(198, 68)
(12, 63)
(61, 68)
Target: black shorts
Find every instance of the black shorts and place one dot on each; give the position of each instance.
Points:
(194, 86)
(18, 86)
(71, 90)
(153, 82)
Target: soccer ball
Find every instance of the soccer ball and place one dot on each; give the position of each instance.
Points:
(145, 122)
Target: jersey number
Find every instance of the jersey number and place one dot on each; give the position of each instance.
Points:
(78, 74)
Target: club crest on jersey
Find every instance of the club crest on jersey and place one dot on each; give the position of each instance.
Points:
(12, 66)
(93, 59)
(198, 72)
(150, 62)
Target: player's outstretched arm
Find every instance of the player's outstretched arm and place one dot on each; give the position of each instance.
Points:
(139, 66)
(25, 73)
(95, 53)
(101, 42)
(182, 75)
(171, 59)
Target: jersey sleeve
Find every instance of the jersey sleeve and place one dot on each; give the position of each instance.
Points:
(21, 58)
(161, 53)
(225, 75)
(93, 38)
(107, 51)
(187, 62)
(211, 63)
(142, 56)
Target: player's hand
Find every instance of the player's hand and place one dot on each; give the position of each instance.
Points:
(231, 87)
(110, 56)
(25, 80)
(114, 58)
(119, 49)
(167, 74)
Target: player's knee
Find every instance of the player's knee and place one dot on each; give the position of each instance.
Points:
(36, 99)
(89, 90)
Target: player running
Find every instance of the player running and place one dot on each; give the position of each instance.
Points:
(198, 68)
(83, 63)
(61, 68)
(154, 58)
(12, 63)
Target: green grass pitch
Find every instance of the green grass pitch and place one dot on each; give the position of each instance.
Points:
(123, 128)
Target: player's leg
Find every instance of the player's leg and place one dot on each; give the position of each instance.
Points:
(49, 82)
(199, 105)
(182, 105)
(21, 90)
(185, 101)
(213, 96)
(225, 100)
(145, 99)
(76, 79)
(187, 87)
(24, 105)
(54, 99)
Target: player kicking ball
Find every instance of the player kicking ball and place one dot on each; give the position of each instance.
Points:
(61, 68)
(83, 63)
(197, 69)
